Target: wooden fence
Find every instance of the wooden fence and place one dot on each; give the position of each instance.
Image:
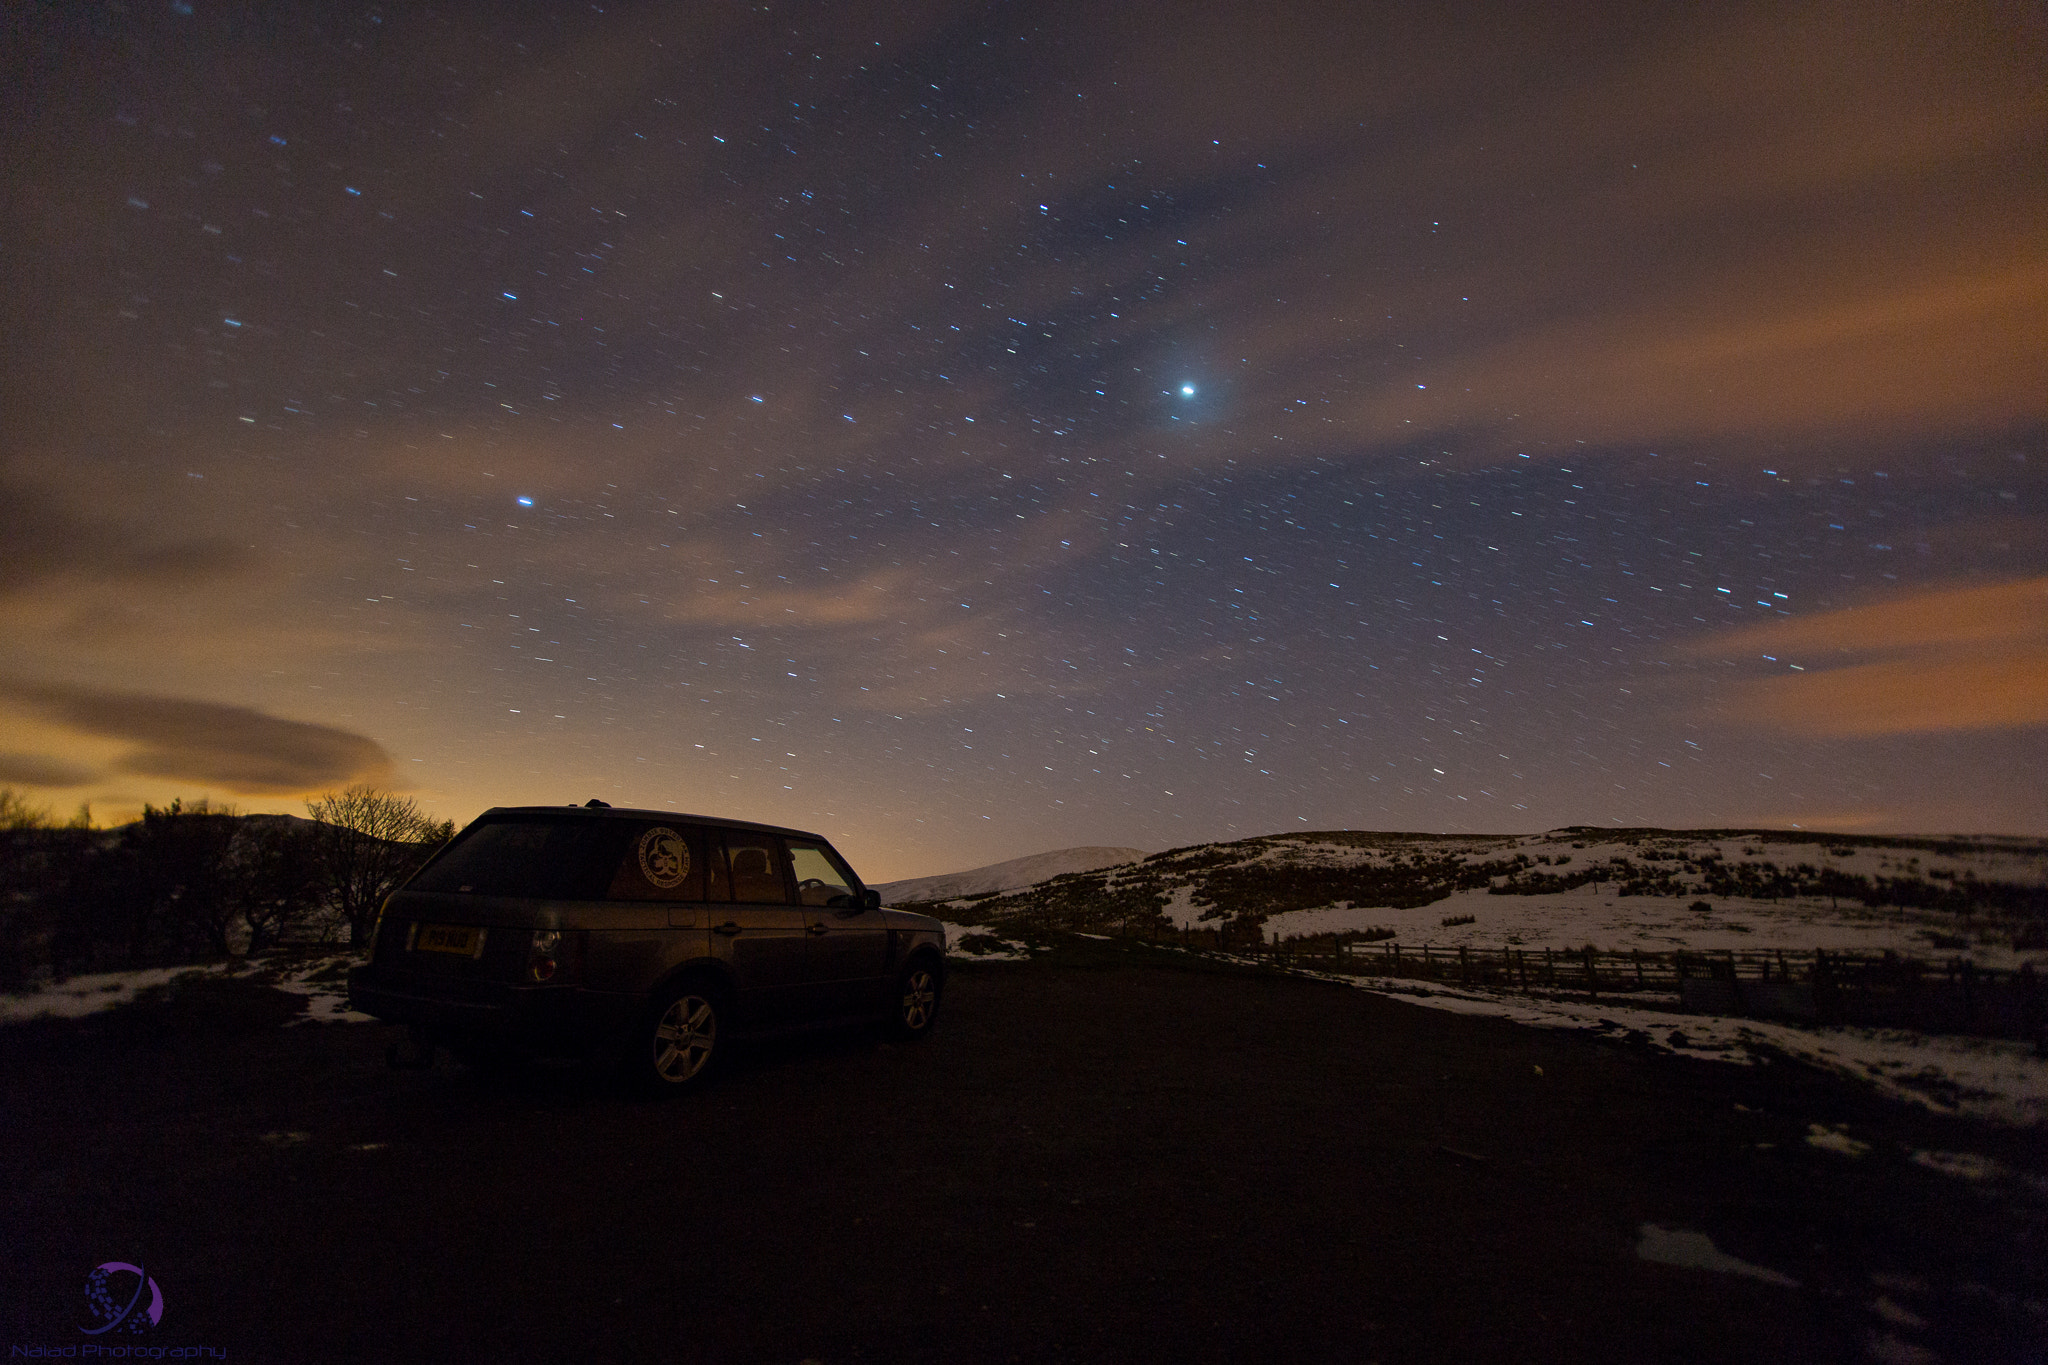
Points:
(1884, 990)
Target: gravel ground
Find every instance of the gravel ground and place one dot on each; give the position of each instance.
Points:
(1100, 1155)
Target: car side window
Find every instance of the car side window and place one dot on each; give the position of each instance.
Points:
(757, 868)
(820, 878)
(661, 862)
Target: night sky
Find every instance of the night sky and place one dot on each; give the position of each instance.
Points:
(972, 429)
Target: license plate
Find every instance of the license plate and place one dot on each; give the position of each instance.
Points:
(464, 940)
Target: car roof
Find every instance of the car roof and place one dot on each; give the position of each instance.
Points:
(628, 813)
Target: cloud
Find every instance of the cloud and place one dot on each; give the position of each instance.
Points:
(1926, 351)
(1742, 223)
(870, 599)
(236, 748)
(1948, 659)
(47, 541)
(42, 770)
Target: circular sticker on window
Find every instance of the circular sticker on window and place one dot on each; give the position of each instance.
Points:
(664, 858)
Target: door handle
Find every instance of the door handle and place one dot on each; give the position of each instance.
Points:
(729, 927)
(821, 928)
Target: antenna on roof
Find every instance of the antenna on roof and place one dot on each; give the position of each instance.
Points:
(594, 802)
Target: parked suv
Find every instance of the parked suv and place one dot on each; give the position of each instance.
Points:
(656, 937)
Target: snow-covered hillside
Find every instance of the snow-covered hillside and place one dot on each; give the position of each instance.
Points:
(1615, 889)
(1009, 876)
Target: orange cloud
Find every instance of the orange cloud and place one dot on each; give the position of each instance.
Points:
(236, 748)
(1943, 660)
(873, 598)
(1927, 352)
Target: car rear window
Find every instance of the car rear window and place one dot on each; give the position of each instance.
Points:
(543, 856)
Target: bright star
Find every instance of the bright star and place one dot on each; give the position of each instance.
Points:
(1187, 390)
(526, 502)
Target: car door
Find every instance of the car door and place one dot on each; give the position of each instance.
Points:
(762, 930)
(849, 945)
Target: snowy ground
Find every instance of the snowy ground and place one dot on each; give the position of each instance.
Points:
(983, 945)
(322, 980)
(1594, 914)
(1006, 876)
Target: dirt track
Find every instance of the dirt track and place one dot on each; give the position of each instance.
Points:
(1092, 1158)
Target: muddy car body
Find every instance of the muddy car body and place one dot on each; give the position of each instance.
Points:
(647, 935)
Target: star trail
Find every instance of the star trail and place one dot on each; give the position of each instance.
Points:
(968, 430)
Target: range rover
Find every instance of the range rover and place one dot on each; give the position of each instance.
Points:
(650, 937)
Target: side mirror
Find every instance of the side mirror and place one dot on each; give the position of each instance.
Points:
(871, 899)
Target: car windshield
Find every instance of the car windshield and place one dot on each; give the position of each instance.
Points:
(529, 855)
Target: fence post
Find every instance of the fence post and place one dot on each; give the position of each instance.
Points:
(2030, 1009)
(1592, 974)
(1549, 970)
(1639, 967)
(1464, 967)
(1522, 961)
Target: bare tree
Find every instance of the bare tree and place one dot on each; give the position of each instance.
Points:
(17, 814)
(368, 841)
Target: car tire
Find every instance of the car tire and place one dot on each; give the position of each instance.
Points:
(682, 1041)
(914, 1004)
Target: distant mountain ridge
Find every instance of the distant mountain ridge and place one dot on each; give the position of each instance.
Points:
(1007, 876)
(1651, 889)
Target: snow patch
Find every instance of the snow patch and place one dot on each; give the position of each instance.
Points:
(2001, 1080)
(1696, 1251)
(979, 945)
(1963, 1165)
(321, 980)
(1835, 1139)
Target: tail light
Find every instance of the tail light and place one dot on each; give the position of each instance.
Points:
(555, 957)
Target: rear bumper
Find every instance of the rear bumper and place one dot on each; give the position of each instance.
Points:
(542, 1017)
